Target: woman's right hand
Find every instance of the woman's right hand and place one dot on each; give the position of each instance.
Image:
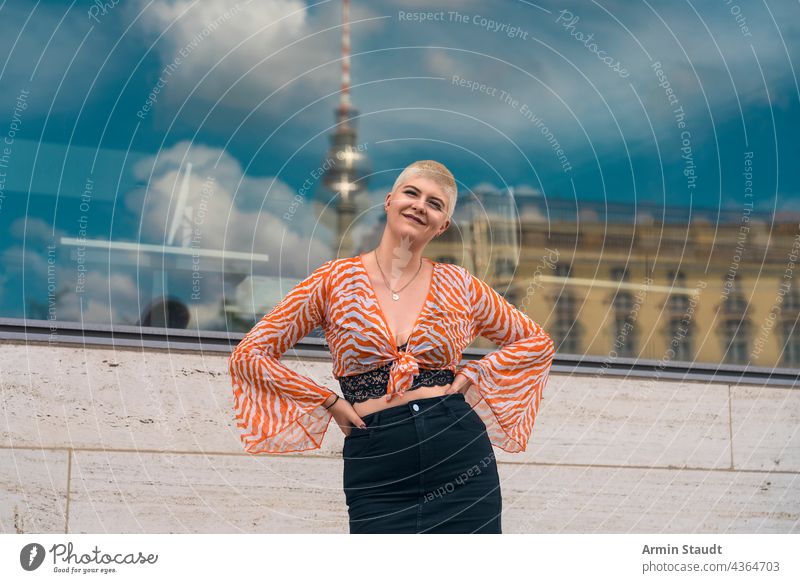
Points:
(345, 416)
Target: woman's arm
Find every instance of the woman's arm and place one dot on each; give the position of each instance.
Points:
(512, 378)
(329, 401)
(277, 409)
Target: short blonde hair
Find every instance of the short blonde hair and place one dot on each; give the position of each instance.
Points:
(436, 172)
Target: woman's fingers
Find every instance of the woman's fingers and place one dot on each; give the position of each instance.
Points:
(343, 423)
(451, 388)
(357, 421)
(456, 387)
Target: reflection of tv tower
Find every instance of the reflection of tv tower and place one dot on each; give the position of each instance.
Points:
(345, 163)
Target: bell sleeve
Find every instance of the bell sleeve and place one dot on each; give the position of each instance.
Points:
(278, 410)
(507, 384)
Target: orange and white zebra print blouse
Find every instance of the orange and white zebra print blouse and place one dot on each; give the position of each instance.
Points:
(280, 411)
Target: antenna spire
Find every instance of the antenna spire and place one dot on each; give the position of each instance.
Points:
(345, 107)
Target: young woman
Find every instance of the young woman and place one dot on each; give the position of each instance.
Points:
(419, 429)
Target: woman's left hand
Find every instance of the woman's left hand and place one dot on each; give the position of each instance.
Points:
(460, 384)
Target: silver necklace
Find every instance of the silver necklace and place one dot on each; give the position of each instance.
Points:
(395, 294)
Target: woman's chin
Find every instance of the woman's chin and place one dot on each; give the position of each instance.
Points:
(409, 230)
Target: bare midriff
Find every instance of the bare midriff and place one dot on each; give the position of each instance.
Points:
(379, 403)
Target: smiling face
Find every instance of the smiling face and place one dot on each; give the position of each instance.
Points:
(418, 209)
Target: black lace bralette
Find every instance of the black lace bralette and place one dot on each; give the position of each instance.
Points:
(372, 384)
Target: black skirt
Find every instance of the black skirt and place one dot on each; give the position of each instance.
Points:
(426, 466)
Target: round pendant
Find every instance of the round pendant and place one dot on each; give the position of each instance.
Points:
(395, 296)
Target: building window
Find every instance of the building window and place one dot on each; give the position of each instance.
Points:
(791, 344)
(735, 335)
(566, 335)
(623, 302)
(624, 341)
(566, 330)
(505, 267)
(676, 278)
(792, 301)
(619, 274)
(735, 304)
(678, 303)
(566, 305)
(680, 340)
(563, 270)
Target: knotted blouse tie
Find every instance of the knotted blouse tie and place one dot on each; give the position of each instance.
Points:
(402, 374)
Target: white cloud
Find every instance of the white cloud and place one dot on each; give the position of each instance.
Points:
(258, 45)
(105, 298)
(531, 214)
(206, 316)
(215, 184)
(484, 186)
(33, 229)
(526, 190)
(29, 261)
(30, 264)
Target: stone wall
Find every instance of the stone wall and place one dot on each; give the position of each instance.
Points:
(96, 439)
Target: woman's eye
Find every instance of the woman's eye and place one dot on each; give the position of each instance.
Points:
(436, 204)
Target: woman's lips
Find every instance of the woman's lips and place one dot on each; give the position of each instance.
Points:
(416, 220)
